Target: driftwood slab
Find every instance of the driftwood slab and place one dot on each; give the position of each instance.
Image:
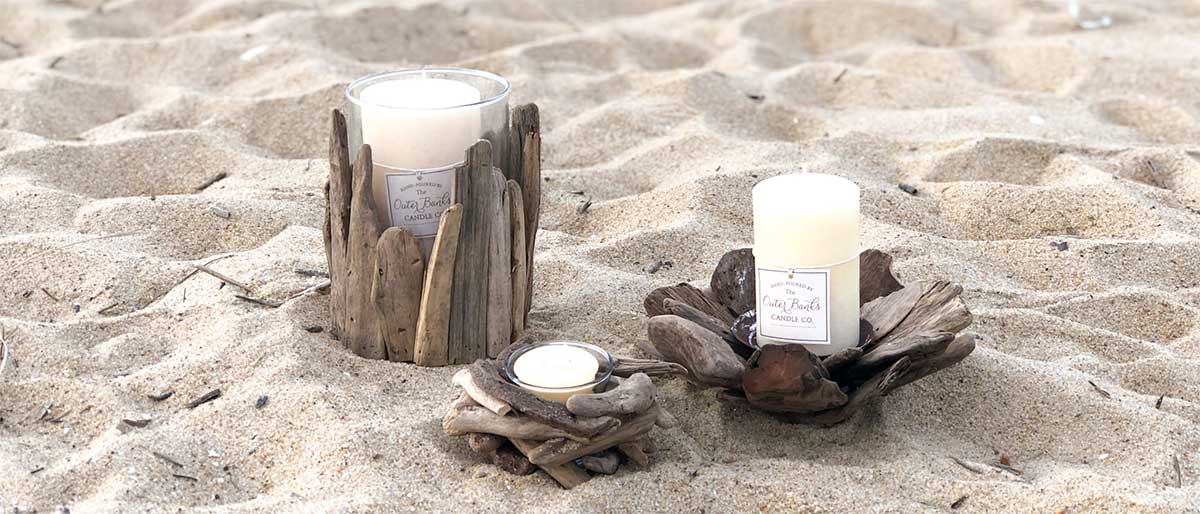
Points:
(590, 434)
(908, 333)
(471, 297)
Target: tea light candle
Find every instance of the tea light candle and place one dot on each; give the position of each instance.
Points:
(418, 129)
(806, 252)
(557, 372)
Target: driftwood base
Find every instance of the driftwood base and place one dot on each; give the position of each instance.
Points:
(592, 433)
(908, 332)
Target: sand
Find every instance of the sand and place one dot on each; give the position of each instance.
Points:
(1019, 132)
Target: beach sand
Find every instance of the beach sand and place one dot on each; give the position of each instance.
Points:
(1018, 130)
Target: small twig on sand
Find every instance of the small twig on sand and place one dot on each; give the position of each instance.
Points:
(166, 459)
(5, 349)
(35, 256)
(207, 397)
(1178, 471)
(266, 302)
(222, 277)
(839, 76)
(277, 303)
(212, 180)
(185, 477)
(1102, 392)
(52, 297)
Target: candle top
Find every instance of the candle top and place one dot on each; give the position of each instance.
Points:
(420, 93)
(556, 366)
(807, 191)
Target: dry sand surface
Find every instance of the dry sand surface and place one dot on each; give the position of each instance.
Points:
(1018, 130)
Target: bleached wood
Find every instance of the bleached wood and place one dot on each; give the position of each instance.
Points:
(431, 345)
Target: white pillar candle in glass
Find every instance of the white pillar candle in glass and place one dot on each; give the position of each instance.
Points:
(806, 253)
(418, 129)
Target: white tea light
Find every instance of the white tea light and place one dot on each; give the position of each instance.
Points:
(556, 371)
(806, 252)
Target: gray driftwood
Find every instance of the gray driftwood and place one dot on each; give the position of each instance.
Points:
(463, 379)
(487, 375)
(908, 333)
(627, 367)
(472, 297)
(476, 419)
(605, 462)
(560, 451)
(634, 395)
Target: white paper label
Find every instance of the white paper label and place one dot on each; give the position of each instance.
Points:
(417, 198)
(793, 305)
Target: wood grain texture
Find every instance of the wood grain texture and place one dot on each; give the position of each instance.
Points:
(520, 271)
(499, 293)
(476, 419)
(431, 345)
(707, 357)
(632, 396)
(338, 214)
(488, 376)
(789, 378)
(560, 451)
(655, 302)
(361, 321)
(396, 291)
(463, 379)
(525, 167)
(733, 281)
(567, 475)
(475, 189)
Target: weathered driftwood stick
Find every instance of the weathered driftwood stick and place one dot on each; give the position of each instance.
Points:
(488, 377)
(499, 275)
(520, 269)
(338, 220)
(463, 379)
(733, 281)
(685, 293)
(433, 322)
(701, 318)
(361, 322)
(875, 276)
(605, 462)
(567, 475)
(706, 356)
(476, 419)
(469, 294)
(789, 378)
(396, 291)
(512, 461)
(915, 346)
(634, 395)
(525, 167)
(636, 452)
(485, 444)
(627, 367)
(939, 309)
(556, 452)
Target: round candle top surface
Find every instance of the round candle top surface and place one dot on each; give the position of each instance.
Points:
(805, 219)
(423, 93)
(556, 366)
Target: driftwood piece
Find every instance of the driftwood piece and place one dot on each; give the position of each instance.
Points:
(626, 367)
(484, 443)
(337, 208)
(463, 379)
(396, 291)
(789, 378)
(632, 396)
(361, 322)
(475, 189)
(560, 451)
(477, 419)
(636, 452)
(499, 275)
(568, 475)
(519, 276)
(605, 462)
(433, 322)
(707, 357)
(908, 333)
(685, 293)
(733, 281)
(710, 323)
(512, 461)
(525, 167)
(488, 377)
(875, 279)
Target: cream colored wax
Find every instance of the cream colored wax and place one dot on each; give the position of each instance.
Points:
(557, 372)
(418, 130)
(806, 251)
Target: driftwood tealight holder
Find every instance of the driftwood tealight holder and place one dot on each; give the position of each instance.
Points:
(592, 433)
(908, 332)
(471, 299)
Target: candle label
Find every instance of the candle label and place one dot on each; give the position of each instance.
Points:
(793, 304)
(417, 198)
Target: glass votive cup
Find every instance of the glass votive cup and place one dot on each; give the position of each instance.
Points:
(560, 394)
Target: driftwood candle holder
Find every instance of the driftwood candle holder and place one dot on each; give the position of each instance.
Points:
(591, 433)
(471, 299)
(908, 332)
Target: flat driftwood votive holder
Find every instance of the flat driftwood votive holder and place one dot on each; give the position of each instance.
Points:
(470, 299)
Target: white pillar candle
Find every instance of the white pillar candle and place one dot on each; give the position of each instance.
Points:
(418, 130)
(557, 372)
(806, 251)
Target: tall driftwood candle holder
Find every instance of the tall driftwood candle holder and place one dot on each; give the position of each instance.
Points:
(471, 299)
(907, 332)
